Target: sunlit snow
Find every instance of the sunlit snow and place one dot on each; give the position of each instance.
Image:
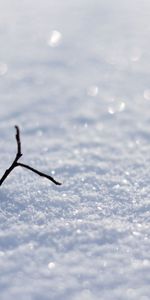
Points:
(74, 76)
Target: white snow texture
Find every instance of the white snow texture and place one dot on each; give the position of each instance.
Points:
(74, 76)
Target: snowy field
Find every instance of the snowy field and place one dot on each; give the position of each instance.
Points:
(74, 76)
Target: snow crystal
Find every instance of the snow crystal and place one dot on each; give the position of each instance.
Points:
(51, 265)
(55, 38)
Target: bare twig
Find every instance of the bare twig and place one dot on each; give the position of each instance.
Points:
(16, 164)
(39, 173)
(18, 141)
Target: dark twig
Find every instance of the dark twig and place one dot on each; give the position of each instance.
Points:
(16, 164)
(39, 173)
(19, 154)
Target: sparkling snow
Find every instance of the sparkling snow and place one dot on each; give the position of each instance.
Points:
(74, 75)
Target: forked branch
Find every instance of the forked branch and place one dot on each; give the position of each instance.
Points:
(16, 163)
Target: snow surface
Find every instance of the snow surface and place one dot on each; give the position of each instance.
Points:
(74, 75)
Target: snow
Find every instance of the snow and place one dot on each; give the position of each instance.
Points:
(74, 76)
